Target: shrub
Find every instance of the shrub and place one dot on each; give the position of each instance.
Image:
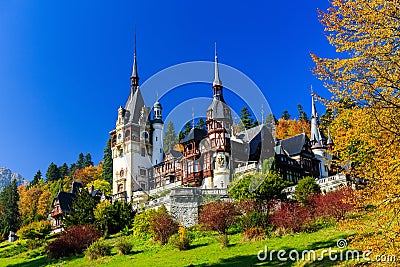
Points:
(34, 243)
(124, 246)
(35, 230)
(180, 240)
(97, 250)
(253, 220)
(291, 216)
(254, 234)
(163, 226)
(223, 240)
(306, 188)
(218, 216)
(73, 241)
(141, 224)
(334, 204)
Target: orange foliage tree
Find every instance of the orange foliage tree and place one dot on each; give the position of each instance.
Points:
(89, 174)
(287, 128)
(367, 79)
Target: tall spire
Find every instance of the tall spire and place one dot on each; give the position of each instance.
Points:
(217, 80)
(316, 139)
(134, 76)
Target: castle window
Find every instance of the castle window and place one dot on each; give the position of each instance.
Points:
(120, 188)
(160, 150)
(142, 172)
(121, 153)
(143, 152)
(156, 138)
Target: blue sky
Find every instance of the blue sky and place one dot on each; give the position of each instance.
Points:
(65, 65)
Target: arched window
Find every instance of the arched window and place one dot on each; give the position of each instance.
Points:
(120, 188)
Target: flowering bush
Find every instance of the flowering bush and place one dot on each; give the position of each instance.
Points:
(180, 240)
(73, 241)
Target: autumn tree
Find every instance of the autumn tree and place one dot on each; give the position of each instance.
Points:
(89, 174)
(288, 128)
(366, 132)
(107, 174)
(170, 138)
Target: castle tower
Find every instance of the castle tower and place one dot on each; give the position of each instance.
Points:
(130, 145)
(158, 129)
(317, 144)
(219, 122)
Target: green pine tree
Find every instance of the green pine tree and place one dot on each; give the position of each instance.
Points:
(201, 124)
(87, 160)
(9, 219)
(80, 163)
(302, 115)
(170, 138)
(285, 115)
(36, 178)
(108, 163)
(246, 120)
(53, 173)
(64, 170)
(82, 210)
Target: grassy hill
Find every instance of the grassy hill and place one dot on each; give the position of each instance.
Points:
(205, 251)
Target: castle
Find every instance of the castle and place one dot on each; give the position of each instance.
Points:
(208, 158)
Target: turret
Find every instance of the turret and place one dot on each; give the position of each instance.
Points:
(158, 130)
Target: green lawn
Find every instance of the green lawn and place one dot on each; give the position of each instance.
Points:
(205, 251)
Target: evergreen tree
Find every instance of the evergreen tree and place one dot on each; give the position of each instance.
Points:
(107, 174)
(88, 160)
(53, 173)
(285, 115)
(36, 179)
(82, 210)
(72, 169)
(305, 188)
(9, 219)
(186, 129)
(201, 124)
(80, 164)
(64, 170)
(302, 115)
(170, 139)
(246, 120)
(270, 122)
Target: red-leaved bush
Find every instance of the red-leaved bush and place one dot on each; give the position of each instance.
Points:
(72, 241)
(334, 205)
(218, 216)
(291, 216)
(163, 226)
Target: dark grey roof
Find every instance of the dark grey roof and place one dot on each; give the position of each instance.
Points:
(174, 153)
(65, 199)
(219, 111)
(294, 145)
(134, 106)
(195, 134)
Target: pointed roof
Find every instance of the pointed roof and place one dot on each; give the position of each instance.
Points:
(134, 76)
(217, 80)
(134, 106)
(316, 137)
(194, 134)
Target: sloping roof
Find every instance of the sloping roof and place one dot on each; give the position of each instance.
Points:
(65, 199)
(294, 145)
(219, 111)
(134, 106)
(195, 134)
(76, 186)
(174, 153)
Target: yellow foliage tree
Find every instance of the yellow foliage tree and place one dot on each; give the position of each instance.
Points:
(89, 174)
(101, 185)
(288, 128)
(34, 203)
(365, 84)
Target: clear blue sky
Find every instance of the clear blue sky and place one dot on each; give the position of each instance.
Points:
(65, 65)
